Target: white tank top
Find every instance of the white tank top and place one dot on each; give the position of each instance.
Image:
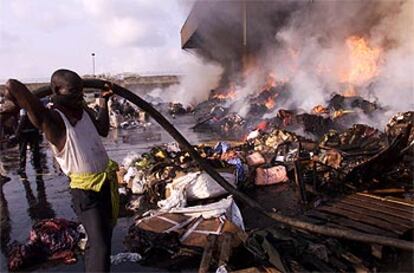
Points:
(83, 152)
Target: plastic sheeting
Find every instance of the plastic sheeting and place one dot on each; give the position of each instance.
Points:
(194, 186)
(226, 207)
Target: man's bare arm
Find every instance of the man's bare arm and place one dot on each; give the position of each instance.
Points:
(44, 119)
(101, 119)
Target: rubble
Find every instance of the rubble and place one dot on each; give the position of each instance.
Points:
(319, 169)
(178, 109)
(339, 113)
(123, 115)
(182, 215)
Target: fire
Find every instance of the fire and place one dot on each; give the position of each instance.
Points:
(350, 91)
(262, 125)
(363, 64)
(363, 61)
(319, 109)
(270, 82)
(340, 113)
(270, 103)
(229, 93)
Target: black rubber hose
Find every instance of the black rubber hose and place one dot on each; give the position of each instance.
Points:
(158, 117)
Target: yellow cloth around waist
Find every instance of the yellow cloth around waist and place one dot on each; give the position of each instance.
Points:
(94, 182)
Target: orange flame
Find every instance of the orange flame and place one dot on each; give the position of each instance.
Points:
(340, 113)
(229, 93)
(270, 81)
(350, 91)
(363, 64)
(319, 109)
(270, 103)
(363, 61)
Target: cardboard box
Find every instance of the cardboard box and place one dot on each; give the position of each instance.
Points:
(270, 176)
(255, 159)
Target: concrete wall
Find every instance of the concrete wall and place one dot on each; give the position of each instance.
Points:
(139, 84)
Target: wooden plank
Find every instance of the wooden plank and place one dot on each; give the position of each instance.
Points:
(394, 200)
(391, 190)
(225, 248)
(365, 212)
(401, 201)
(343, 221)
(207, 254)
(380, 203)
(364, 219)
(357, 262)
(266, 269)
(385, 210)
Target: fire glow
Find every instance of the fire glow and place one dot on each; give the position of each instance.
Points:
(363, 61)
(363, 64)
(270, 103)
(227, 94)
(270, 81)
(358, 67)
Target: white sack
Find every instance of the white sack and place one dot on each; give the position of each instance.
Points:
(226, 207)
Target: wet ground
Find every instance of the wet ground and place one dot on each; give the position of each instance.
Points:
(47, 195)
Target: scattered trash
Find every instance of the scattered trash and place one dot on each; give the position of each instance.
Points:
(269, 176)
(255, 159)
(51, 239)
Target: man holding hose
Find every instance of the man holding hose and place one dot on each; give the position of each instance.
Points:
(74, 131)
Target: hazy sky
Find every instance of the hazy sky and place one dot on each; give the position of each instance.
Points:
(143, 36)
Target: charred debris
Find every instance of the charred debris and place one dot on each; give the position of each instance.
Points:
(324, 167)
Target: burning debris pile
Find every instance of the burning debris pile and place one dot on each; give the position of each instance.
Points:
(181, 212)
(282, 61)
(340, 113)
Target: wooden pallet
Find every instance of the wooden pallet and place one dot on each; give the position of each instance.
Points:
(366, 213)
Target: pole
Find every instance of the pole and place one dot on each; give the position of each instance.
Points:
(244, 25)
(93, 64)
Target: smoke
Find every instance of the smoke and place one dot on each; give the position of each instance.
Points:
(395, 86)
(197, 80)
(305, 43)
(318, 34)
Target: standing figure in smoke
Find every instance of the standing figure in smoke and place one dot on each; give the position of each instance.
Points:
(74, 131)
(28, 134)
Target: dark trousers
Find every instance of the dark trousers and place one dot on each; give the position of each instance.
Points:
(31, 139)
(94, 210)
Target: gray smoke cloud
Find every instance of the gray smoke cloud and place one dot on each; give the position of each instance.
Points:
(305, 43)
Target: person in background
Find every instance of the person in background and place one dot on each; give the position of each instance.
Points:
(74, 132)
(8, 118)
(28, 134)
